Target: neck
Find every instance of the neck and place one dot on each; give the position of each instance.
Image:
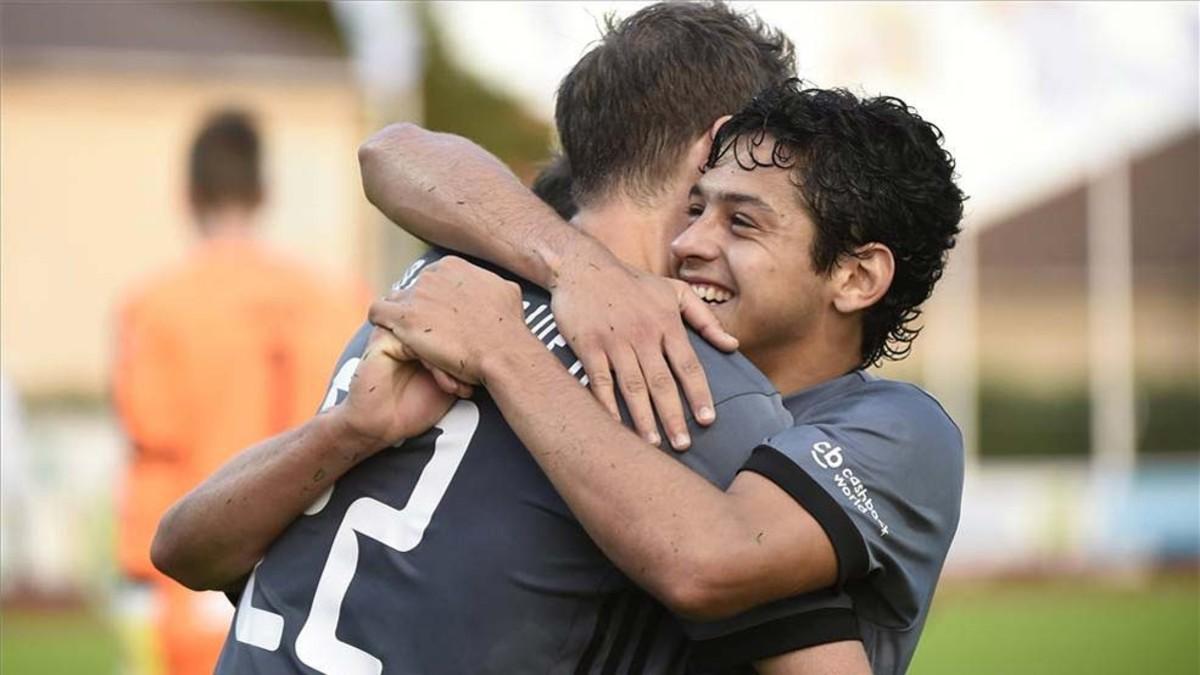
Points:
(819, 357)
(638, 234)
(226, 222)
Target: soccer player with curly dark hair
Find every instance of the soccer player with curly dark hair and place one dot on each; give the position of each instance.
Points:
(868, 171)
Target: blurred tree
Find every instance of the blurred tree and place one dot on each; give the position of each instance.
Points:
(1015, 421)
(455, 101)
(451, 100)
(458, 102)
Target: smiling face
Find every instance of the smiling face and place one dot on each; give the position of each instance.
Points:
(747, 254)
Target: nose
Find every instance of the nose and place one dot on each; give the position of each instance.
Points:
(700, 240)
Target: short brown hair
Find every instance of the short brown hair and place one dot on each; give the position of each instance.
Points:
(223, 167)
(655, 82)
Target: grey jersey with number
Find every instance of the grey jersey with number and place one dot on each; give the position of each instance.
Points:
(454, 554)
(879, 464)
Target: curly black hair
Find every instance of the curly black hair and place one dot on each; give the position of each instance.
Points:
(868, 170)
(553, 186)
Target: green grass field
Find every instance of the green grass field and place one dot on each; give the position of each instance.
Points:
(1061, 628)
(45, 643)
(1025, 628)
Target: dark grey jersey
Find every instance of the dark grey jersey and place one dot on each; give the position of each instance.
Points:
(454, 554)
(879, 464)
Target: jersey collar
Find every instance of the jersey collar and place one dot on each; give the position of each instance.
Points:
(802, 401)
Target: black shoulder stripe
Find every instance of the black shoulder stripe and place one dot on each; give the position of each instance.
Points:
(847, 542)
(799, 631)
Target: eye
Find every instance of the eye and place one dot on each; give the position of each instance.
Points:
(695, 210)
(740, 221)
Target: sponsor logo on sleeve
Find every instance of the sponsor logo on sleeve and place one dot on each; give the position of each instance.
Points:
(832, 458)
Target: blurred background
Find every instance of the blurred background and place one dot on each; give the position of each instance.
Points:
(1065, 338)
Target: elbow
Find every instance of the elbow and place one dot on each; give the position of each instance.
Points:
(704, 588)
(170, 554)
(392, 136)
(383, 157)
(168, 557)
(385, 146)
(690, 600)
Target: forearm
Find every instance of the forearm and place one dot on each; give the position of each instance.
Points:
(214, 535)
(449, 191)
(663, 524)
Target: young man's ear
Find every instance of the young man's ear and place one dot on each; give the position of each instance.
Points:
(862, 278)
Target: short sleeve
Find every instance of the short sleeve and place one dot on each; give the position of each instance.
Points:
(882, 473)
(718, 451)
(748, 410)
(772, 629)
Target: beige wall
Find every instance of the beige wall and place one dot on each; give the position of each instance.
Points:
(1038, 337)
(92, 200)
(1033, 334)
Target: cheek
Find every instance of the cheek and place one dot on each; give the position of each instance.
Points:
(763, 295)
(787, 300)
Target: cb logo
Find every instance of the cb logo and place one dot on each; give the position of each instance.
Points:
(828, 455)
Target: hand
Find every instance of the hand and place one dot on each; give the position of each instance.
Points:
(392, 397)
(617, 319)
(455, 316)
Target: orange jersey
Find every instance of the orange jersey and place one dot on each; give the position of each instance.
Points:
(230, 348)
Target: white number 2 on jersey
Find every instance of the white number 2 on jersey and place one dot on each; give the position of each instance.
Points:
(317, 645)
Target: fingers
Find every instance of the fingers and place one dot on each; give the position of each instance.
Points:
(600, 379)
(444, 380)
(635, 392)
(692, 378)
(701, 318)
(448, 383)
(385, 342)
(665, 396)
(387, 313)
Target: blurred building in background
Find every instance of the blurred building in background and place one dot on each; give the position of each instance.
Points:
(99, 101)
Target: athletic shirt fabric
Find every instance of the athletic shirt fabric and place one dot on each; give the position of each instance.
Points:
(879, 464)
(218, 352)
(454, 554)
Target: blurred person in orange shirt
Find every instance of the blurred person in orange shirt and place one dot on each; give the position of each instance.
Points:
(227, 348)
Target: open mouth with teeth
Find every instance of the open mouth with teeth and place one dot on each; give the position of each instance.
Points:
(713, 295)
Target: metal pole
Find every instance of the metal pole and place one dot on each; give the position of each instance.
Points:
(950, 367)
(1110, 320)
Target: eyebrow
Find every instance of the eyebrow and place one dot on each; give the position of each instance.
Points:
(732, 197)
